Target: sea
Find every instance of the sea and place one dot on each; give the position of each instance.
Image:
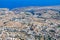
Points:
(25, 3)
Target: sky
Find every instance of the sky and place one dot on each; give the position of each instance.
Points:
(25, 3)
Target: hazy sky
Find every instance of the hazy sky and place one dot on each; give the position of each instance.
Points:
(22, 3)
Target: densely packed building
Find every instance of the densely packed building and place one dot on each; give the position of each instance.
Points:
(31, 23)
